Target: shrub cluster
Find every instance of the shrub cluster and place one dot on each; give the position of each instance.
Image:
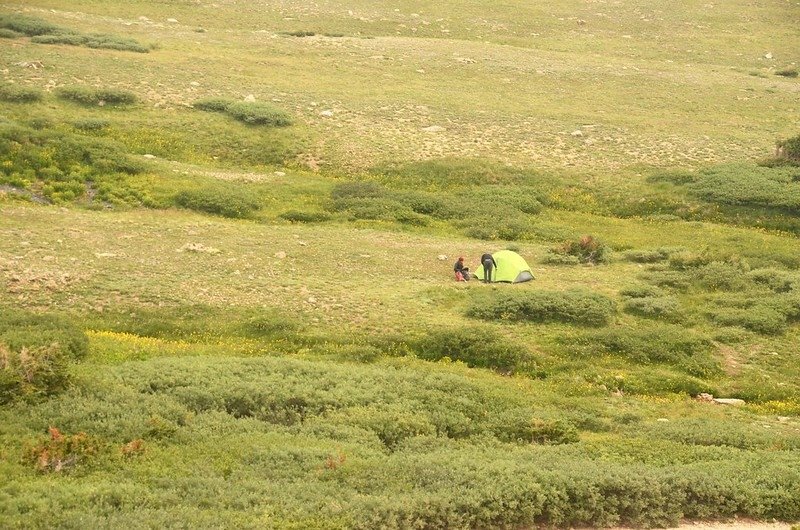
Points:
(35, 351)
(17, 94)
(586, 249)
(220, 200)
(61, 166)
(97, 96)
(249, 112)
(575, 307)
(673, 346)
(30, 26)
(476, 346)
(789, 149)
(303, 216)
(653, 255)
(42, 32)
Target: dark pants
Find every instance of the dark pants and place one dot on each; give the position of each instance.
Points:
(487, 270)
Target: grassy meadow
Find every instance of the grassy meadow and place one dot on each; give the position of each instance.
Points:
(227, 233)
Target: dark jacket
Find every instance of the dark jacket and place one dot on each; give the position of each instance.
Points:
(459, 266)
(488, 257)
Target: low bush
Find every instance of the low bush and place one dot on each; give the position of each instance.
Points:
(774, 279)
(256, 113)
(587, 249)
(17, 94)
(789, 150)
(575, 307)
(96, 96)
(6, 33)
(300, 216)
(760, 318)
(213, 104)
(359, 190)
(788, 72)
(91, 124)
(97, 41)
(437, 206)
(374, 209)
(35, 352)
(655, 307)
(30, 26)
(641, 291)
(475, 346)
(673, 346)
(227, 201)
(511, 227)
(654, 255)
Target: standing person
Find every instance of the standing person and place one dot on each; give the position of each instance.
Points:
(488, 263)
(462, 272)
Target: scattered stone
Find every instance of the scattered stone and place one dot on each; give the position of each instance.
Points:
(36, 65)
(421, 71)
(768, 55)
(105, 255)
(302, 243)
(172, 20)
(194, 83)
(312, 300)
(198, 247)
(434, 128)
(250, 98)
(729, 401)
(326, 113)
(441, 257)
(149, 156)
(465, 60)
(144, 19)
(705, 397)
(576, 133)
(280, 173)
(280, 255)
(783, 419)
(662, 420)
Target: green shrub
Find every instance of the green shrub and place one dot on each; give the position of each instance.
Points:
(675, 176)
(300, 33)
(452, 174)
(587, 249)
(98, 41)
(776, 280)
(298, 216)
(576, 307)
(426, 203)
(26, 25)
(17, 94)
(661, 344)
(745, 185)
(256, 113)
(687, 259)
(227, 201)
(759, 318)
(501, 199)
(654, 255)
(512, 227)
(656, 307)
(554, 257)
(6, 33)
(35, 351)
(93, 96)
(788, 72)
(91, 124)
(790, 150)
(213, 104)
(358, 190)
(641, 291)
(721, 276)
(477, 347)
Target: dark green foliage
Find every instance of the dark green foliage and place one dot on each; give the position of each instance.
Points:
(790, 150)
(586, 249)
(658, 344)
(641, 291)
(18, 94)
(95, 40)
(300, 33)
(776, 280)
(6, 33)
(476, 346)
(213, 104)
(96, 96)
(760, 318)
(438, 206)
(743, 185)
(221, 200)
(35, 351)
(358, 190)
(508, 227)
(576, 307)
(256, 113)
(656, 307)
(654, 255)
(26, 25)
(298, 216)
(498, 199)
(91, 124)
(62, 166)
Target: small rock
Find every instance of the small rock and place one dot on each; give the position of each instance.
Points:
(280, 173)
(326, 113)
(105, 255)
(783, 419)
(729, 401)
(250, 98)
(312, 300)
(434, 128)
(280, 255)
(194, 83)
(149, 156)
(172, 20)
(702, 396)
(302, 243)
(144, 19)
(662, 420)
(576, 133)
(768, 55)
(441, 257)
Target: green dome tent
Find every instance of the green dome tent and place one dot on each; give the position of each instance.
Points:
(511, 268)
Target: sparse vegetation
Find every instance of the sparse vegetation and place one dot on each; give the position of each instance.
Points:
(97, 96)
(16, 94)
